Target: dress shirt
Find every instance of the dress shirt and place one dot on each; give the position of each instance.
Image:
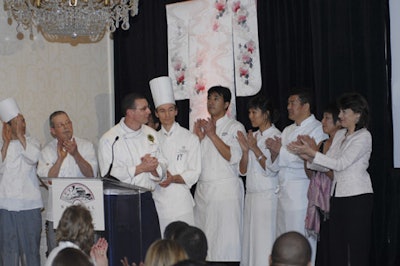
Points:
(349, 159)
(128, 151)
(19, 187)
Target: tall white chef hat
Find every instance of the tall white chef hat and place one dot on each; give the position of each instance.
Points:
(162, 91)
(8, 109)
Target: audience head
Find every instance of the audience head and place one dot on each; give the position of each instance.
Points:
(76, 226)
(194, 241)
(164, 252)
(71, 256)
(358, 105)
(291, 248)
(174, 229)
(190, 262)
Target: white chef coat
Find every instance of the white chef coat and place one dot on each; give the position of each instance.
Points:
(69, 167)
(181, 148)
(128, 151)
(219, 194)
(19, 186)
(260, 204)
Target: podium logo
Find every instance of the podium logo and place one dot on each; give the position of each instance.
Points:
(77, 193)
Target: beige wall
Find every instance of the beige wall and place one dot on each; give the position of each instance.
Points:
(46, 76)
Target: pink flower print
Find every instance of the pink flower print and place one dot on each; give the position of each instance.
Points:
(180, 77)
(215, 26)
(235, 6)
(241, 16)
(246, 58)
(177, 65)
(244, 71)
(200, 86)
(250, 45)
(220, 5)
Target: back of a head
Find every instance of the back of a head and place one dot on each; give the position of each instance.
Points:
(76, 226)
(190, 262)
(291, 248)
(164, 252)
(173, 229)
(194, 241)
(71, 256)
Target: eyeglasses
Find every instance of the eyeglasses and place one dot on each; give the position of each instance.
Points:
(64, 125)
(143, 109)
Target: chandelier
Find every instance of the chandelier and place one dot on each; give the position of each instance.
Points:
(74, 18)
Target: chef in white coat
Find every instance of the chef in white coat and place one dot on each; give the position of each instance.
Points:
(293, 181)
(181, 148)
(219, 192)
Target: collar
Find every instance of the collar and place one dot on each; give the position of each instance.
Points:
(306, 121)
(171, 131)
(221, 120)
(128, 132)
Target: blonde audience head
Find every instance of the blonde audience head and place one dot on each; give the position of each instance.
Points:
(164, 252)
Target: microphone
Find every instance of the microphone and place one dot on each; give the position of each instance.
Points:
(108, 175)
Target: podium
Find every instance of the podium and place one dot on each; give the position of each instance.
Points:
(125, 219)
(117, 209)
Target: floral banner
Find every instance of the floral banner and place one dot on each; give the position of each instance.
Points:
(213, 42)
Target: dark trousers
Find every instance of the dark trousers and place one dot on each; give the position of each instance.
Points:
(350, 230)
(322, 256)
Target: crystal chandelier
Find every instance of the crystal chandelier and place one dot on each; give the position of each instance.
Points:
(74, 18)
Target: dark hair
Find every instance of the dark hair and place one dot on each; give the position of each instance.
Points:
(266, 106)
(194, 241)
(191, 263)
(71, 256)
(291, 248)
(305, 96)
(173, 229)
(76, 226)
(332, 109)
(54, 114)
(220, 90)
(358, 104)
(128, 102)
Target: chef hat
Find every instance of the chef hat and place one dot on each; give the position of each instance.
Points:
(161, 89)
(8, 109)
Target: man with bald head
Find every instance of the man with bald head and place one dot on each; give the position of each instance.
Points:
(291, 249)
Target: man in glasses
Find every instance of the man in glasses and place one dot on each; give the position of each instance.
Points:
(65, 156)
(130, 152)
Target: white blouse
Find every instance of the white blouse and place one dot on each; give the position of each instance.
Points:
(349, 159)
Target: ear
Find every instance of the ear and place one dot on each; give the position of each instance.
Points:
(226, 105)
(270, 260)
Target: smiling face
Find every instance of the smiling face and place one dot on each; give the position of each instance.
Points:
(348, 119)
(167, 113)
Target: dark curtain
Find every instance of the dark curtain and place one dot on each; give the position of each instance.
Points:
(330, 46)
